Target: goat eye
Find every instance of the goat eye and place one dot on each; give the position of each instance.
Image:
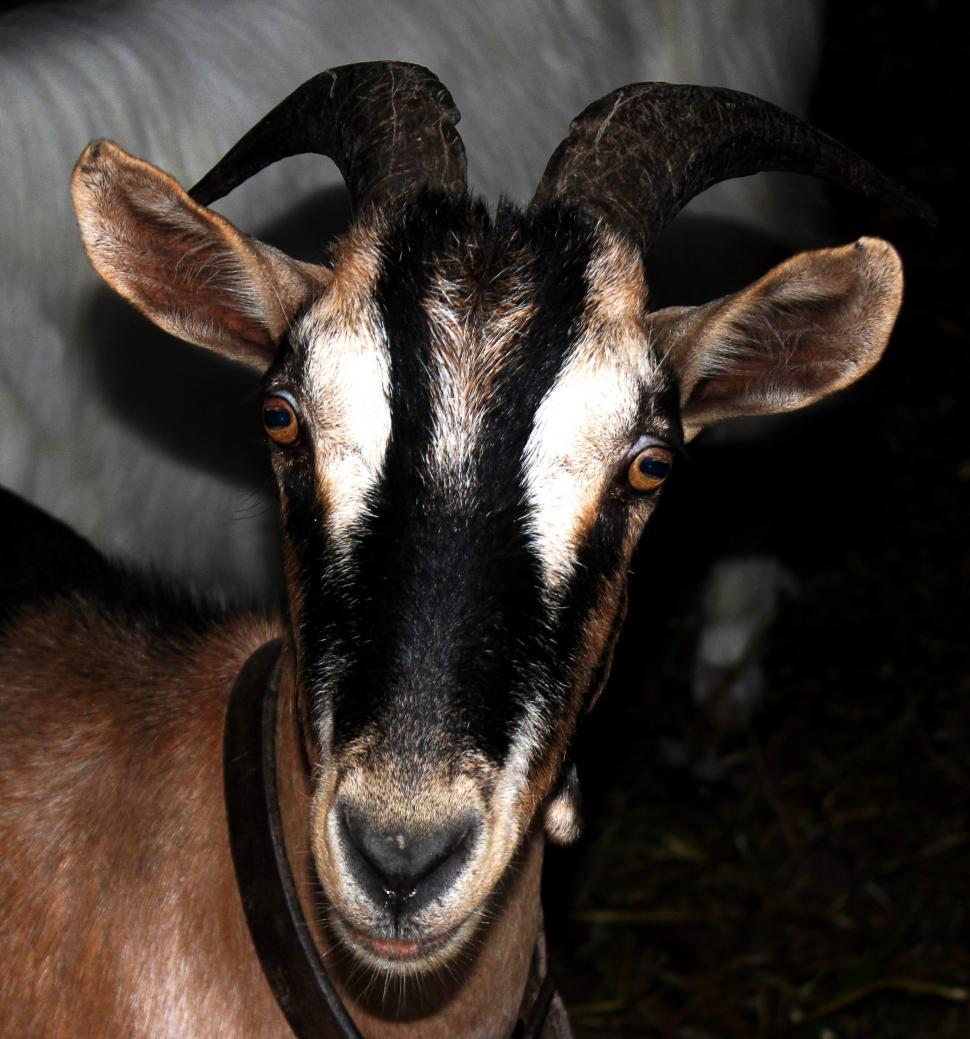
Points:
(649, 468)
(280, 419)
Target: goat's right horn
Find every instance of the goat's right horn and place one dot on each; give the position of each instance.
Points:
(388, 125)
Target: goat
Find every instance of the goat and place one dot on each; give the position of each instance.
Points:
(471, 416)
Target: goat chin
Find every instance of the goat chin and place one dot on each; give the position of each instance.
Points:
(405, 958)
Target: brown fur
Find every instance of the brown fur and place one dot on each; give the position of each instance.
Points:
(477, 319)
(120, 915)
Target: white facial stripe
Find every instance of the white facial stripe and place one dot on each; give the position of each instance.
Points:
(348, 385)
(528, 743)
(468, 358)
(584, 424)
(455, 414)
(355, 425)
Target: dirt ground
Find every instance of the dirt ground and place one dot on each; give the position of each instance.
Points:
(808, 873)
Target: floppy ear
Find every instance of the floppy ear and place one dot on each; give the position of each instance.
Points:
(807, 328)
(182, 265)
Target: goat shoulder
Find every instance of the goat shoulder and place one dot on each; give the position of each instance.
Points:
(121, 916)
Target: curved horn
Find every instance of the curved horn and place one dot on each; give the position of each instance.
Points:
(637, 156)
(388, 125)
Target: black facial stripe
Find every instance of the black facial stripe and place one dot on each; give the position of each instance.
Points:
(659, 407)
(598, 557)
(430, 575)
(447, 608)
(560, 291)
(318, 569)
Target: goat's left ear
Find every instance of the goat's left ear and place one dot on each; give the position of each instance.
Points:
(182, 265)
(807, 328)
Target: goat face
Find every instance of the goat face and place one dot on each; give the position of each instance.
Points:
(471, 417)
(458, 525)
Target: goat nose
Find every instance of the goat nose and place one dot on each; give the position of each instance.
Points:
(409, 867)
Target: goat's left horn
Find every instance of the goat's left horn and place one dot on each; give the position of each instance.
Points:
(388, 125)
(636, 157)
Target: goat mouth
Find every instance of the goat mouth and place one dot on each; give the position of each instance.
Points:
(403, 954)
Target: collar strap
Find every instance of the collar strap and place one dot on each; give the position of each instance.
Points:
(279, 930)
(282, 939)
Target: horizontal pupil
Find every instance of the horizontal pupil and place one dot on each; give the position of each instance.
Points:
(654, 466)
(277, 418)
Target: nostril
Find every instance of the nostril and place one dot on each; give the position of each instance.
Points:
(410, 865)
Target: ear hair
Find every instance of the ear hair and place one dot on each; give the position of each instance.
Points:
(182, 265)
(807, 328)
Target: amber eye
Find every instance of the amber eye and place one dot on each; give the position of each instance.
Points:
(649, 468)
(280, 418)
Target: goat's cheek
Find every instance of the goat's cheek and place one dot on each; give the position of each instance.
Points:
(508, 819)
(323, 837)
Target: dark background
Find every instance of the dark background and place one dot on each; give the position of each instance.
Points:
(807, 873)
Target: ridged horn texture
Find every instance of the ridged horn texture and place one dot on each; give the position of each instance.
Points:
(388, 125)
(637, 156)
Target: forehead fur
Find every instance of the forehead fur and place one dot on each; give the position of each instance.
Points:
(479, 302)
(478, 285)
(513, 336)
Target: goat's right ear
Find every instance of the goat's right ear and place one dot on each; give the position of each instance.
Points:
(182, 265)
(807, 328)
